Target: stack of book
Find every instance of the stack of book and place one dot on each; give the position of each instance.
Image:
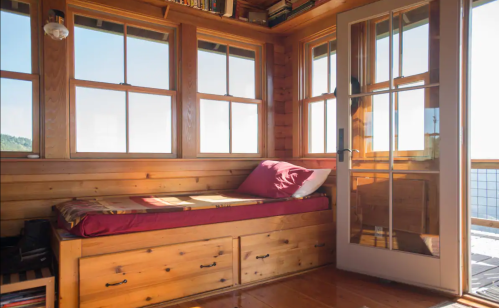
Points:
(222, 7)
(301, 6)
(32, 298)
(278, 12)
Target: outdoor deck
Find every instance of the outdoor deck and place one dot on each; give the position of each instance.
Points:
(485, 264)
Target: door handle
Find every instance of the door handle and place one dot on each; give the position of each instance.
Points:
(116, 284)
(211, 265)
(351, 151)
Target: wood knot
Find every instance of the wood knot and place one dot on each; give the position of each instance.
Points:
(222, 280)
(119, 269)
(286, 241)
(167, 269)
(181, 253)
(148, 298)
(220, 253)
(149, 250)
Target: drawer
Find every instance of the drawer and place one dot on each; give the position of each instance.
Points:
(156, 274)
(281, 252)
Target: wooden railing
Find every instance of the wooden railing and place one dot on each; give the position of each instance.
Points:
(485, 222)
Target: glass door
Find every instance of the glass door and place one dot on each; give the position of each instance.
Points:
(398, 142)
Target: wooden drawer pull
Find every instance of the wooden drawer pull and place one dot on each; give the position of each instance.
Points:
(263, 257)
(116, 284)
(211, 265)
(320, 245)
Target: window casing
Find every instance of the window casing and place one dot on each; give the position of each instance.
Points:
(319, 105)
(129, 108)
(229, 103)
(20, 82)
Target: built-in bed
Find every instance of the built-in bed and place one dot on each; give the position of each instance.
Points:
(137, 251)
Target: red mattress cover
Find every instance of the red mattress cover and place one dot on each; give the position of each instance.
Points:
(99, 225)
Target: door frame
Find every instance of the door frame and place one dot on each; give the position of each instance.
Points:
(442, 273)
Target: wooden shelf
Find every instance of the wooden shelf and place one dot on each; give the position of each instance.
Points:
(332, 7)
(16, 282)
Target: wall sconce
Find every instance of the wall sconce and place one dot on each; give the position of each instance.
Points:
(55, 26)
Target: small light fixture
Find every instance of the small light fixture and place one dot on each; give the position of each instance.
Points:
(55, 26)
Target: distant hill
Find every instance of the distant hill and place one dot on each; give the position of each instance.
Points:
(11, 143)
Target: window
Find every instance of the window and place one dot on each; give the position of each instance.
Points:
(414, 119)
(229, 96)
(319, 108)
(122, 98)
(19, 82)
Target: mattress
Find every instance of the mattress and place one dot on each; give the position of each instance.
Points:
(91, 218)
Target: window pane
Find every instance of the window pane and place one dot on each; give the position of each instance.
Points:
(415, 41)
(381, 122)
(99, 50)
(244, 128)
(331, 126)
(396, 46)
(16, 115)
(147, 58)
(212, 68)
(332, 60)
(316, 127)
(100, 120)
(382, 51)
(214, 120)
(150, 123)
(410, 116)
(241, 72)
(319, 70)
(15, 35)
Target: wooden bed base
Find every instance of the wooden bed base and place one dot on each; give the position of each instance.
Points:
(301, 237)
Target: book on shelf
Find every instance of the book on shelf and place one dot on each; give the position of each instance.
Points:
(298, 3)
(279, 12)
(304, 7)
(277, 6)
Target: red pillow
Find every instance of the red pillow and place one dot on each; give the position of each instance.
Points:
(274, 179)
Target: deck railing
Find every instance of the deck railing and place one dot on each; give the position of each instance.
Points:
(485, 196)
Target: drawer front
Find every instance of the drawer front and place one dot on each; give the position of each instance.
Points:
(146, 276)
(281, 252)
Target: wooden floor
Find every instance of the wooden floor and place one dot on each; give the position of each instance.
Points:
(322, 288)
(484, 263)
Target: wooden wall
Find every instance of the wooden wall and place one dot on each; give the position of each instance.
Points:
(283, 112)
(30, 188)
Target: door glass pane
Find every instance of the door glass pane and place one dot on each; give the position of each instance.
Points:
(316, 127)
(242, 72)
(417, 129)
(415, 41)
(331, 126)
(99, 50)
(371, 131)
(212, 68)
(150, 123)
(369, 209)
(382, 50)
(416, 213)
(214, 130)
(15, 37)
(147, 58)
(100, 120)
(319, 70)
(332, 61)
(396, 45)
(16, 104)
(244, 128)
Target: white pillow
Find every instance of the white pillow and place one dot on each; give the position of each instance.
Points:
(312, 183)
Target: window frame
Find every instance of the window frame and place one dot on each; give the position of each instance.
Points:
(34, 77)
(308, 61)
(127, 88)
(258, 100)
(399, 81)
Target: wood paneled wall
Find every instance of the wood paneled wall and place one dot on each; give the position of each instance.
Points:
(30, 188)
(283, 119)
